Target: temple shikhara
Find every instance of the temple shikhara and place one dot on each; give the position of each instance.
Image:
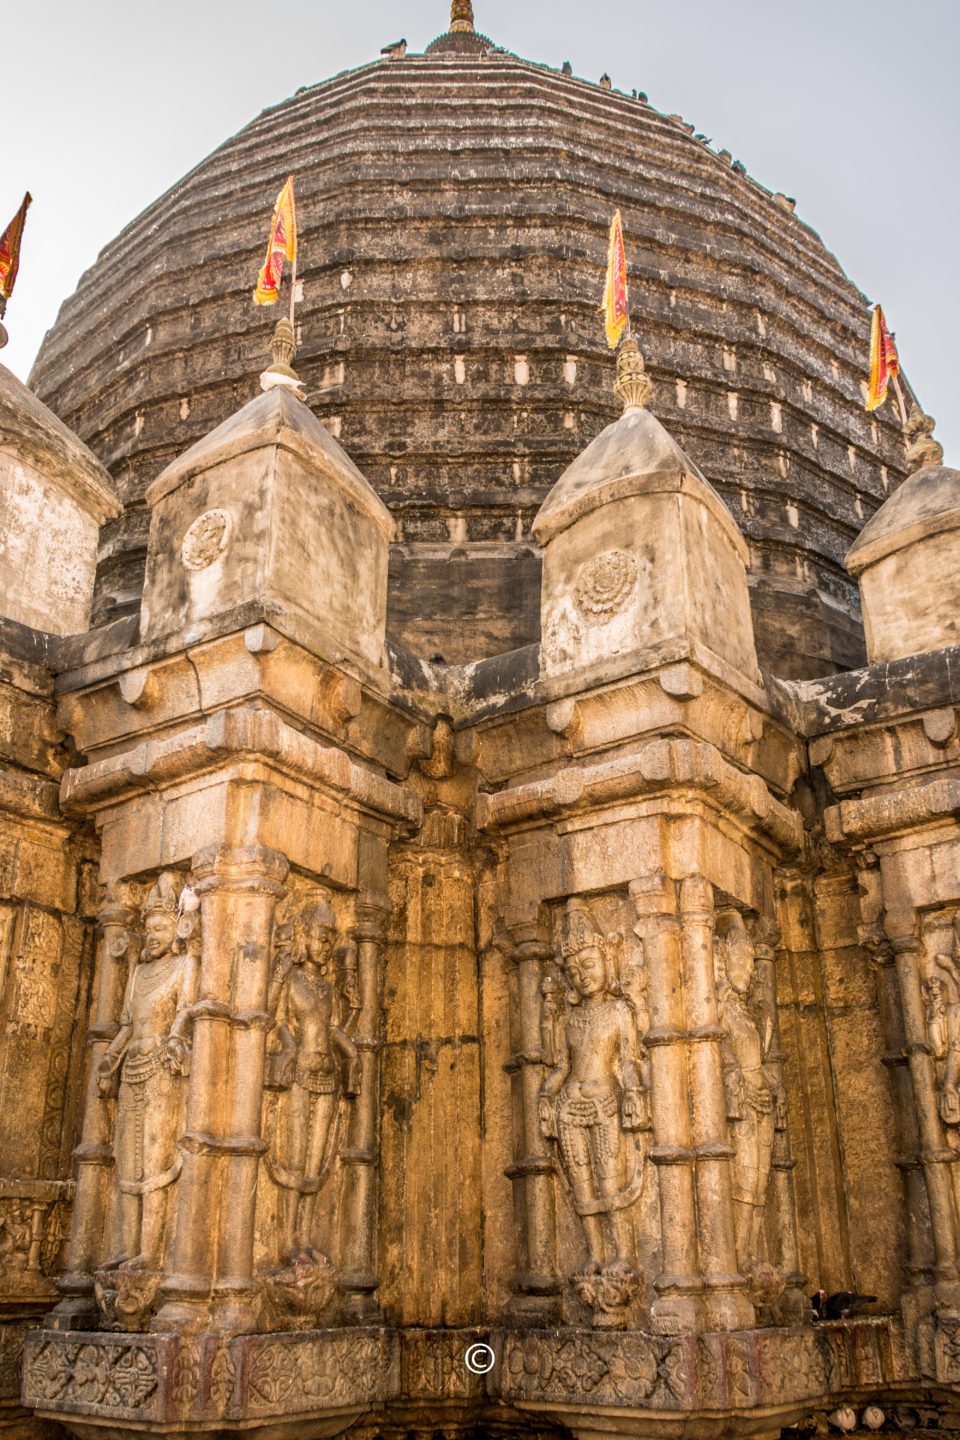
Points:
(479, 816)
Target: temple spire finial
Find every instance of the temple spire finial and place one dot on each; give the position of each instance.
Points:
(461, 15)
(922, 449)
(632, 387)
(282, 349)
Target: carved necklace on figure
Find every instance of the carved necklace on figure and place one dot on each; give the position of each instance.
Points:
(152, 974)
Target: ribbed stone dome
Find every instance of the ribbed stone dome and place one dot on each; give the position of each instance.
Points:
(453, 210)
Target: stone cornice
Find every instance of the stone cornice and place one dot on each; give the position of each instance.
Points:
(907, 807)
(230, 736)
(660, 766)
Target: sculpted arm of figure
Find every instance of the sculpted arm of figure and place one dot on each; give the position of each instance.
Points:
(634, 1108)
(282, 1059)
(113, 1056)
(177, 1058)
(350, 1053)
(546, 1107)
(732, 1081)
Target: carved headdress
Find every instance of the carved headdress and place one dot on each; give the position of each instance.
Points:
(163, 898)
(580, 929)
(317, 910)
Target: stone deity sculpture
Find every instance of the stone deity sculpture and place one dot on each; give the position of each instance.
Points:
(750, 1086)
(144, 1066)
(941, 991)
(312, 1058)
(592, 1101)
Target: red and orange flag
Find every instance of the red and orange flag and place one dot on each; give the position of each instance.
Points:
(884, 360)
(282, 244)
(615, 316)
(10, 249)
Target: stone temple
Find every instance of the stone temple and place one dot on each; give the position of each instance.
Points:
(480, 826)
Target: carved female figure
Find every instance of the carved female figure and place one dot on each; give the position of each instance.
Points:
(148, 1056)
(751, 1091)
(595, 1095)
(312, 1058)
(941, 992)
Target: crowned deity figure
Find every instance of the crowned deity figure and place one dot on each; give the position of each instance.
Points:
(941, 993)
(144, 1067)
(592, 1101)
(751, 1087)
(312, 1058)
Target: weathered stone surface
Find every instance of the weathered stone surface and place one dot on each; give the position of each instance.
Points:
(593, 1003)
(54, 496)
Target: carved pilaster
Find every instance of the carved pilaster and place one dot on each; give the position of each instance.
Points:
(212, 1264)
(359, 1279)
(794, 1306)
(679, 1286)
(93, 1156)
(726, 1306)
(538, 1285)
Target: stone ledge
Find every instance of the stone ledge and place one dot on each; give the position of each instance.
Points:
(778, 1370)
(161, 1382)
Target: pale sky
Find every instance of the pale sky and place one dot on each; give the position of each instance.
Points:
(851, 107)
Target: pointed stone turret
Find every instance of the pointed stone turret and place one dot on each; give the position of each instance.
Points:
(268, 510)
(907, 557)
(641, 556)
(461, 38)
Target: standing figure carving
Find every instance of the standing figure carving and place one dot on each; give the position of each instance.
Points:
(592, 1102)
(941, 991)
(143, 1067)
(314, 1063)
(751, 1088)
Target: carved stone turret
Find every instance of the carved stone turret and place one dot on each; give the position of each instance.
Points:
(906, 558)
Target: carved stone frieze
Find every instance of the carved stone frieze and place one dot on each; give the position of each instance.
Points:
(164, 1379)
(34, 1223)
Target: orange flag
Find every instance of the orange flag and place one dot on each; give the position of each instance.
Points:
(282, 243)
(10, 250)
(884, 360)
(615, 316)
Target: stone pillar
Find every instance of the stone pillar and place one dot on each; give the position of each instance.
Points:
(212, 1278)
(679, 1286)
(936, 1157)
(795, 1306)
(726, 1306)
(93, 1156)
(359, 1278)
(538, 1285)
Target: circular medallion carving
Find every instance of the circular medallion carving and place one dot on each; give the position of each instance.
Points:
(603, 586)
(206, 540)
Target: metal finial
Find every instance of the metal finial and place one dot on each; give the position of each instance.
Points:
(461, 15)
(632, 386)
(922, 449)
(283, 348)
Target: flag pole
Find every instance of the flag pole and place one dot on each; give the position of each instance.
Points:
(903, 408)
(293, 292)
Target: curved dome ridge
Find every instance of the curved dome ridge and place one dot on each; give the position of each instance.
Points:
(453, 221)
